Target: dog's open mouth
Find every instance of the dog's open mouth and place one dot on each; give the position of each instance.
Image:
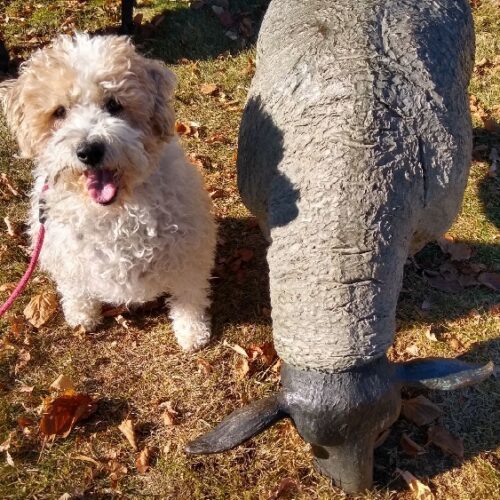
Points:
(102, 185)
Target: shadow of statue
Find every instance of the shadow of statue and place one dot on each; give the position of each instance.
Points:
(489, 186)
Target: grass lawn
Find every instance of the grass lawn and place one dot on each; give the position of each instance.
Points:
(136, 370)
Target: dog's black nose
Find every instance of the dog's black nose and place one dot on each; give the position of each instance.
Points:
(90, 153)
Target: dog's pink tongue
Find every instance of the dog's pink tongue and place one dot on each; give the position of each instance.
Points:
(101, 185)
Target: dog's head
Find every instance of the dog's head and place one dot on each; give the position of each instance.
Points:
(92, 112)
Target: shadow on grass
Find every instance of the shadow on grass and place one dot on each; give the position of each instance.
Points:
(445, 306)
(199, 34)
(489, 186)
(467, 413)
(240, 288)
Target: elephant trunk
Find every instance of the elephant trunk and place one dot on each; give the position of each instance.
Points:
(349, 464)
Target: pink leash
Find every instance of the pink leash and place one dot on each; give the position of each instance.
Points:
(31, 267)
(27, 275)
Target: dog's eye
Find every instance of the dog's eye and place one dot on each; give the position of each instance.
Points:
(113, 106)
(59, 113)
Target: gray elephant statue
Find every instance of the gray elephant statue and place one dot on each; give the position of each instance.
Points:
(354, 152)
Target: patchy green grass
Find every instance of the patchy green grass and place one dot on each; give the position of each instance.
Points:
(133, 371)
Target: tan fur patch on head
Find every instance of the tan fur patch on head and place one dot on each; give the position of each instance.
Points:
(82, 71)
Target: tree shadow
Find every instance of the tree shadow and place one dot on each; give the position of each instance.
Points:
(198, 33)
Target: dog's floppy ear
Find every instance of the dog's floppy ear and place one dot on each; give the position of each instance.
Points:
(11, 101)
(163, 82)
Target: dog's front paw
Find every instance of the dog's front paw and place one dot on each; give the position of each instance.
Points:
(82, 313)
(191, 335)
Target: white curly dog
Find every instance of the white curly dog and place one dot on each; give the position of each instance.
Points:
(127, 216)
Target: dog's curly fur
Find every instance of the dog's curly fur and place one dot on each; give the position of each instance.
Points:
(157, 234)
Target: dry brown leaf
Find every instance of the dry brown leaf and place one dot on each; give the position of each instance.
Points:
(16, 324)
(12, 230)
(420, 410)
(204, 366)
(188, 129)
(218, 139)
(455, 344)
(265, 352)
(457, 250)
(23, 359)
(237, 348)
(182, 128)
(122, 321)
(381, 438)
(111, 312)
(431, 334)
(8, 184)
(245, 254)
(9, 459)
(215, 193)
(6, 444)
(143, 460)
(168, 419)
(170, 414)
(490, 124)
(287, 488)
(26, 388)
(41, 308)
(448, 443)
(85, 458)
(116, 472)
(59, 415)
(440, 283)
(419, 489)
(138, 19)
(412, 350)
(242, 368)
(24, 422)
(209, 89)
(491, 280)
(410, 447)
(127, 429)
(8, 287)
(62, 384)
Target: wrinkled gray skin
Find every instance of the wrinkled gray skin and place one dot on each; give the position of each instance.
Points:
(354, 152)
(370, 99)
